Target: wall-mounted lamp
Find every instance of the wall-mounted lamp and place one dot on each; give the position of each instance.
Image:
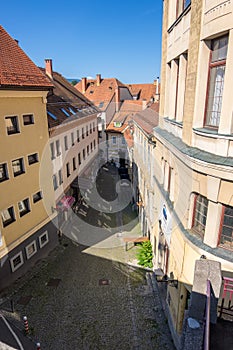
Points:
(152, 140)
(203, 257)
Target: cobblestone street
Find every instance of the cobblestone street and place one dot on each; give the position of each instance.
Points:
(89, 297)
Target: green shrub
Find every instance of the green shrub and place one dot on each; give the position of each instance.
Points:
(145, 254)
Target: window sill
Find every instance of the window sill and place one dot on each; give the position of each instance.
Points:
(174, 122)
(225, 247)
(17, 174)
(13, 133)
(24, 213)
(4, 179)
(7, 223)
(212, 133)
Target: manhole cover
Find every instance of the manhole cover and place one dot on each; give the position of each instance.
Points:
(24, 300)
(53, 282)
(104, 282)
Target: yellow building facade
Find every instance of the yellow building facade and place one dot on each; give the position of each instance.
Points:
(26, 229)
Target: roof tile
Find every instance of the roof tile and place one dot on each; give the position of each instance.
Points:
(16, 68)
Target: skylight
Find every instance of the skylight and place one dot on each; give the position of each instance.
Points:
(71, 110)
(65, 112)
(101, 104)
(52, 115)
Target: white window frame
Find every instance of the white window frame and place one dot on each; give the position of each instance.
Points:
(42, 244)
(28, 255)
(14, 268)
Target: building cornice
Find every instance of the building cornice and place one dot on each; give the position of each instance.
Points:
(195, 158)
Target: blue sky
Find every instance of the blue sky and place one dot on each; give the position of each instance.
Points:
(120, 39)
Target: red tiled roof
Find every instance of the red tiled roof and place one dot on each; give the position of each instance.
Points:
(128, 137)
(100, 95)
(16, 68)
(147, 119)
(127, 111)
(143, 91)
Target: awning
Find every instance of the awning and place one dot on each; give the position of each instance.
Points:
(65, 203)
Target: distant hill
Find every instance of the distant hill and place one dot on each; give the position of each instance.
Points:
(70, 80)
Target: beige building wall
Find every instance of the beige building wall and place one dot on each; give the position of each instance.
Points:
(116, 143)
(144, 159)
(78, 142)
(193, 161)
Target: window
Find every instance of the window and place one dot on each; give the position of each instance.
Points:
(28, 119)
(33, 158)
(94, 144)
(83, 136)
(78, 137)
(93, 126)
(52, 150)
(66, 143)
(88, 150)
(55, 185)
(181, 6)
(114, 140)
(79, 159)
(65, 112)
(90, 129)
(74, 164)
(58, 148)
(31, 249)
(52, 115)
(200, 214)
(91, 147)
(18, 166)
(84, 154)
(71, 110)
(3, 172)
(8, 216)
(72, 139)
(16, 261)
(216, 81)
(37, 197)
(23, 207)
(67, 169)
(226, 229)
(123, 141)
(87, 130)
(60, 177)
(12, 125)
(43, 239)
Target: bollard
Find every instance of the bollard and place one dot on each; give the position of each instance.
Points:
(26, 328)
(12, 306)
(38, 346)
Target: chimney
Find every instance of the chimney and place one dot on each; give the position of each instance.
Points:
(117, 98)
(49, 67)
(98, 79)
(144, 104)
(84, 85)
(17, 42)
(157, 90)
